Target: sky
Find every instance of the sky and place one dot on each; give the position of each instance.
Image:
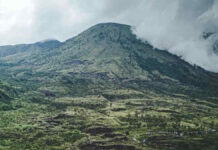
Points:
(173, 25)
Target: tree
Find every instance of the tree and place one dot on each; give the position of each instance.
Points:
(111, 104)
(136, 114)
(212, 124)
(129, 116)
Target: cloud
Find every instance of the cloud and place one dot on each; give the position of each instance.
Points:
(173, 25)
(15, 20)
(178, 26)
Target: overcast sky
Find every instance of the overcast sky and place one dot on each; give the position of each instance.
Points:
(175, 25)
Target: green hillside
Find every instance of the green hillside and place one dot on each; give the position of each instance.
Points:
(7, 93)
(9, 50)
(112, 52)
(104, 89)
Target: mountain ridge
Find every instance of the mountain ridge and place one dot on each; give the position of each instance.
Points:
(110, 51)
(8, 50)
(105, 89)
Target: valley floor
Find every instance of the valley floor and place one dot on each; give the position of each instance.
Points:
(120, 120)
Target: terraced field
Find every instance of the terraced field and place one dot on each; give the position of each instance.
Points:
(104, 90)
(95, 122)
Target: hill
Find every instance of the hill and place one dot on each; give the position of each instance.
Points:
(107, 53)
(104, 89)
(21, 48)
(7, 93)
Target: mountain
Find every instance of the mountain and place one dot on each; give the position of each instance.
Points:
(104, 89)
(15, 49)
(108, 53)
(7, 93)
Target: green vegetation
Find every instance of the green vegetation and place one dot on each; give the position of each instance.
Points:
(104, 89)
(156, 121)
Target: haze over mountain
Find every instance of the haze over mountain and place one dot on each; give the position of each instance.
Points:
(176, 26)
(107, 53)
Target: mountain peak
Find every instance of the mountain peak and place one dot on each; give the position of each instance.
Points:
(49, 41)
(108, 31)
(110, 24)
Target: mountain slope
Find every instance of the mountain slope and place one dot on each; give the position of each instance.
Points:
(15, 49)
(7, 93)
(110, 52)
(105, 89)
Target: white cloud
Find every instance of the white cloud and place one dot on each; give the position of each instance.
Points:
(178, 25)
(175, 25)
(15, 20)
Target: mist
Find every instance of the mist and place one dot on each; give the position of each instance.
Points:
(181, 27)
(187, 28)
